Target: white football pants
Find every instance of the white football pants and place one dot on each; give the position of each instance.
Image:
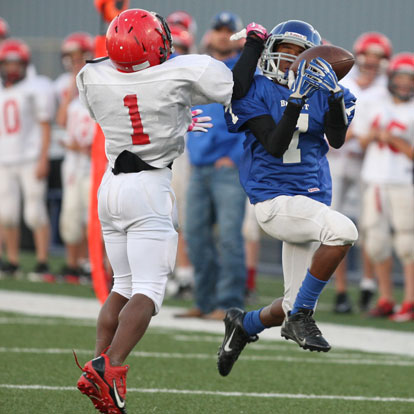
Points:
(137, 213)
(302, 224)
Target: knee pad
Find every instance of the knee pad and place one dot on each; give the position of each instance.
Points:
(35, 215)
(122, 286)
(378, 245)
(339, 230)
(71, 232)
(154, 289)
(404, 246)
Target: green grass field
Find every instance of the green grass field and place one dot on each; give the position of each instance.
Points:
(175, 372)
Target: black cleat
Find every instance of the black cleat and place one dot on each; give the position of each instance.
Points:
(365, 299)
(342, 303)
(235, 339)
(302, 329)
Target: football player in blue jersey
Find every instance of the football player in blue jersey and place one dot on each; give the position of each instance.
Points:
(285, 173)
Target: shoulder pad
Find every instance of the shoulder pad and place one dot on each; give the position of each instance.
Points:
(97, 60)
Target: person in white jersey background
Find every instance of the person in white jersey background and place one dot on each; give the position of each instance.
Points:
(386, 129)
(80, 130)
(27, 108)
(367, 78)
(142, 101)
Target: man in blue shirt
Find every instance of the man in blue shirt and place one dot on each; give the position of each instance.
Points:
(285, 173)
(215, 197)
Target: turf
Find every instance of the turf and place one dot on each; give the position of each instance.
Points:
(38, 351)
(175, 372)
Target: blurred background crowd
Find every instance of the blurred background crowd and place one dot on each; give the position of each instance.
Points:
(46, 138)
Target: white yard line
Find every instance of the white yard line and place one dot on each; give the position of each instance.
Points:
(225, 394)
(310, 359)
(339, 336)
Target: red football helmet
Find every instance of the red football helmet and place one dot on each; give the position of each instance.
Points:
(78, 41)
(4, 29)
(373, 42)
(184, 19)
(182, 38)
(402, 88)
(13, 50)
(138, 39)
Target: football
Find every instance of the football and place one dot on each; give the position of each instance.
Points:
(340, 59)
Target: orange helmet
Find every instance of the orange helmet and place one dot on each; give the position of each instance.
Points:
(4, 28)
(137, 39)
(375, 42)
(109, 9)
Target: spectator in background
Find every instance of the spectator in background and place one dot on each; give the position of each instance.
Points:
(386, 129)
(366, 80)
(4, 33)
(80, 129)
(28, 108)
(180, 285)
(215, 197)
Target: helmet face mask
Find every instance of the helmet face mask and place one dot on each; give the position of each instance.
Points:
(138, 39)
(293, 32)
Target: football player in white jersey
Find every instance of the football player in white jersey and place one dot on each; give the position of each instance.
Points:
(386, 130)
(26, 109)
(142, 101)
(80, 129)
(367, 78)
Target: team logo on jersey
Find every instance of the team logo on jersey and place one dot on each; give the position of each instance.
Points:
(313, 190)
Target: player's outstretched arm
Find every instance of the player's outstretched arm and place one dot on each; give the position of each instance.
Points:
(243, 71)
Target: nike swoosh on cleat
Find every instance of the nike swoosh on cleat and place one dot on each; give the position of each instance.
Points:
(227, 344)
(119, 401)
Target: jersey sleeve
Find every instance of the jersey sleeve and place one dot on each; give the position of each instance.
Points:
(215, 84)
(82, 91)
(350, 101)
(248, 107)
(44, 100)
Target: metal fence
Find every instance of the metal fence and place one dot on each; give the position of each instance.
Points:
(44, 23)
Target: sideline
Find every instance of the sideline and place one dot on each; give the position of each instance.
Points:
(339, 336)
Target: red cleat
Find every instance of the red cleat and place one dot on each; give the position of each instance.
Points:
(104, 384)
(405, 314)
(383, 309)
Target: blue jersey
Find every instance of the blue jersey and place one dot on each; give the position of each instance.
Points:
(304, 168)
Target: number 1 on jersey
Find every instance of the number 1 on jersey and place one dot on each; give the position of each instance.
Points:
(138, 136)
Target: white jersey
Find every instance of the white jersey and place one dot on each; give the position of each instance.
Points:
(60, 87)
(80, 129)
(148, 112)
(384, 164)
(22, 107)
(351, 151)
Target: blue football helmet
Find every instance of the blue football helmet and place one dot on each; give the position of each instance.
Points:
(292, 31)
